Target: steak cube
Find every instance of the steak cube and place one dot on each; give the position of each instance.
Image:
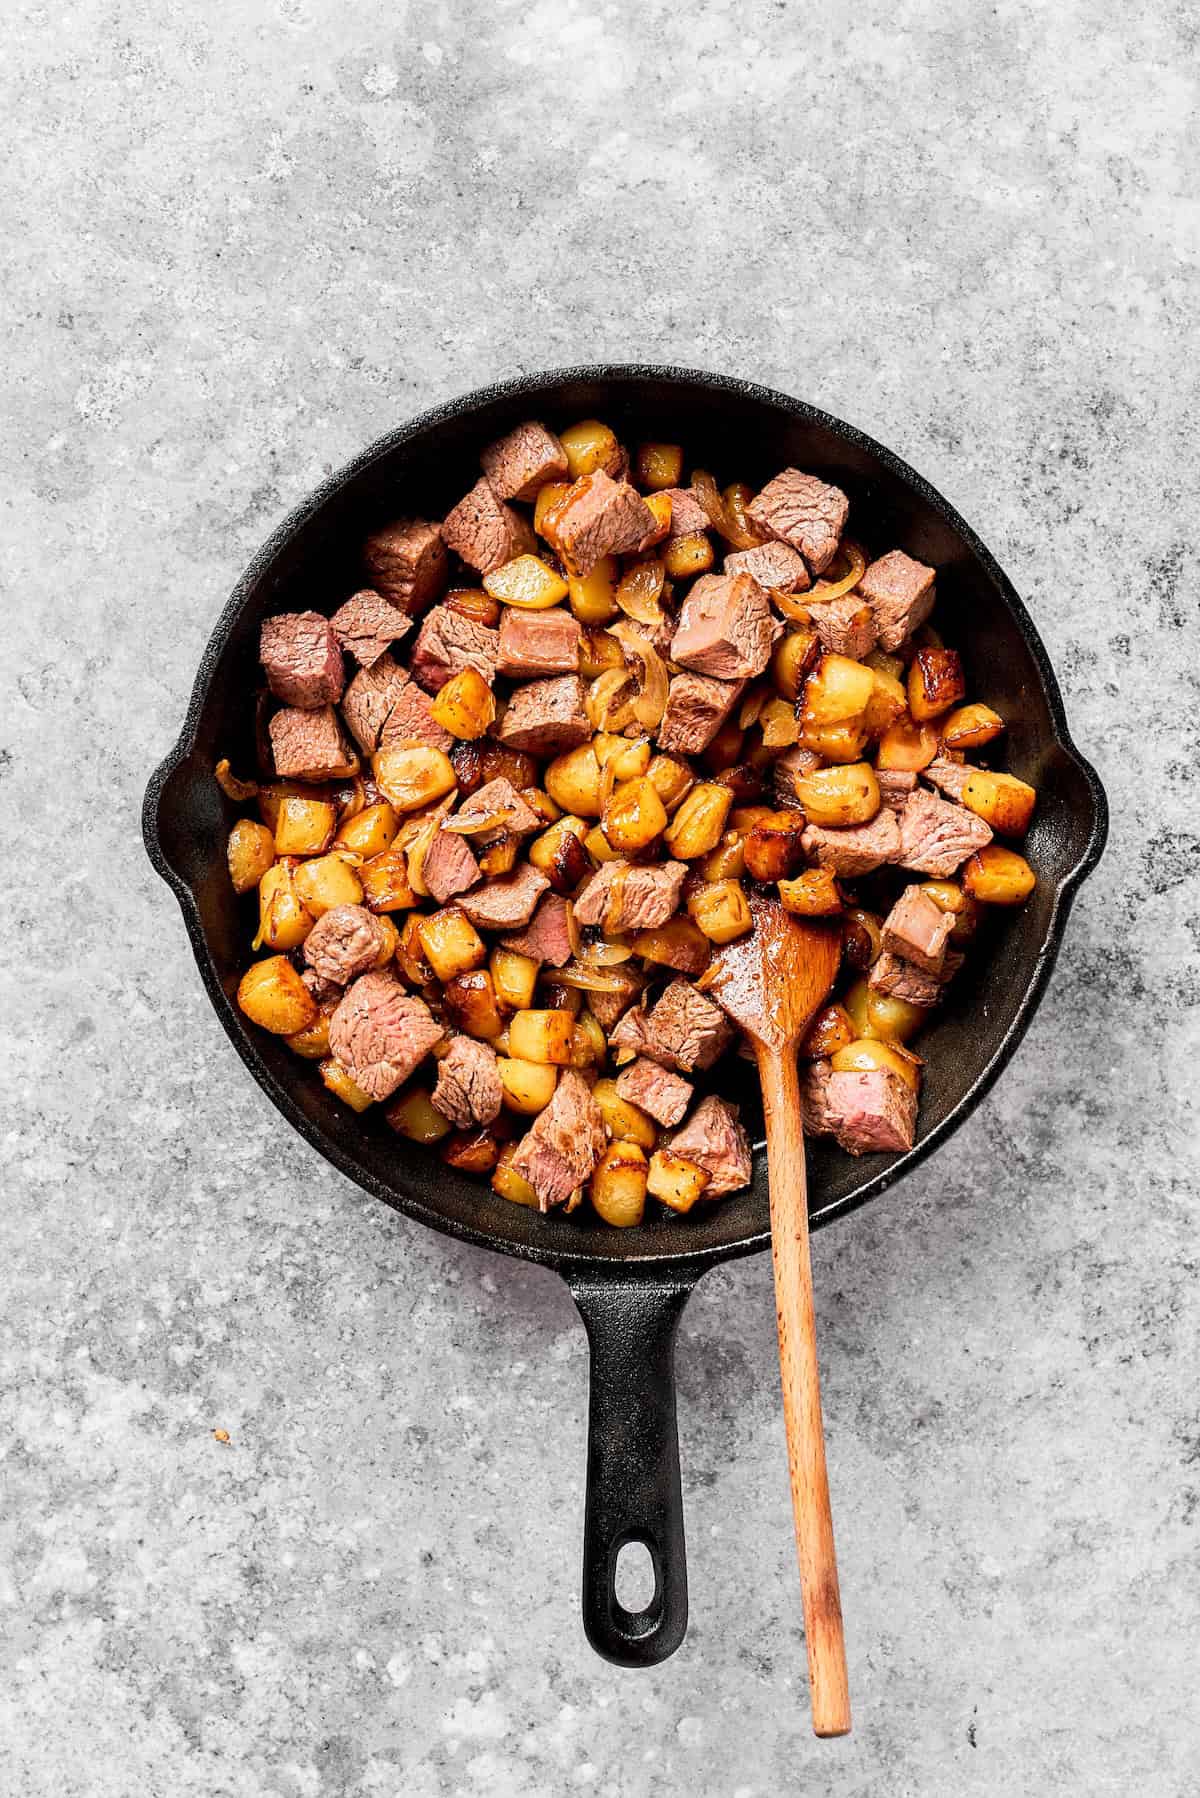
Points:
(900, 593)
(599, 517)
(406, 561)
(345, 942)
(726, 628)
(918, 930)
(624, 984)
(789, 769)
(506, 902)
(449, 867)
(564, 1144)
(845, 626)
(683, 1030)
(468, 1089)
(447, 642)
(655, 1090)
(774, 564)
(805, 512)
(715, 1141)
(538, 643)
(895, 785)
(302, 659)
(485, 532)
(936, 836)
(411, 720)
(370, 700)
(518, 464)
(688, 517)
(697, 707)
(871, 1112)
(623, 895)
(310, 745)
(550, 936)
(367, 626)
(494, 811)
(814, 1098)
(949, 777)
(380, 1033)
(903, 980)
(546, 716)
(851, 850)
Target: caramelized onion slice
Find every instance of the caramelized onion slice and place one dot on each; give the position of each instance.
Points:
(791, 605)
(649, 672)
(740, 534)
(640, 590)
(231, 786)
(591, 980)
(611, 700)
(605, 952)
(851, 561)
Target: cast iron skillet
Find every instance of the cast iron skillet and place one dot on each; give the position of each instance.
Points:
(631, 1285)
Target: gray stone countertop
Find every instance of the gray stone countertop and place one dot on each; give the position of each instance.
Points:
(243, 240)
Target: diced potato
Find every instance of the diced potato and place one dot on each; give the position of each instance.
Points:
(473, 1003)
(274, 997)
(618, 1185)
(882, 663)
(385, 883)
(527, 583)
(838, 690)
(699, 822)
(659, 465)
(1001, 800)
(466, 704)
(812, 894)
(634, 816)
(283, 919)
(720, 909)
(590, 445)
(970, 727)
(862, 933)
(997, 876)
(304, 826)
(313, 1041)
(728, 860)
(869, 1053)
(528, 1085)
(794, 658)
(725, 750)
(686, 556)
(546, 1037)
(573, 781)
(598, 846)
(779, 724)
(879, 1015)
(343, 1086)
(249, 852)
(475, 604)
(557, 995)
(369, 832)
(593, 597)
(624, 1121)
(907, 746)
(773, 849)
(413, 776)
(935, 683)
(410, 954)
(451, 942)
(514, 977)
(545, 850)
(670, 778)
(509, 1183)
(272, 793)
(679, 943)
(414, 1115)
(835, 742)
(674, 1180)
(326, 881)
(965, 910)
(830, 1030)
(845, 794)
(628, 758)
(500, 857)
(549, 496)
(886, 704)
(589, 1043)
(473, 1151)
(659, 507)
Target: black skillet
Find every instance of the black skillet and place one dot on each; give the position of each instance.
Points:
(631, 1285)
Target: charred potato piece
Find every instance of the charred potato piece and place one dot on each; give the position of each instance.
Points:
(273, 996)
(283, 918)
(451, 942)
(845, 794)
(773, 850)
(250, 852)
(545, 1037)
(794, 658)
(304, 826)
(465, 706)
(678, 944)
(634, 817)
(514, 977)
(830, 1030)
(862, 936)
(674, 1180)
(368, 832)
(812, 894)
(415, 1116)
(970, 727)
(472, 1151)
(618, 1185)
(997, 876)
(935, 683)
(475, 604)
(475, 764)
(473, 1004)
(837, 691)
(1001, 800)
(907, 746)
(385, 883)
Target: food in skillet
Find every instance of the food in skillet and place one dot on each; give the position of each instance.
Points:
(521, 780)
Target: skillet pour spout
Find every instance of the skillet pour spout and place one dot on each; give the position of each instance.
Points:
(631, 1285)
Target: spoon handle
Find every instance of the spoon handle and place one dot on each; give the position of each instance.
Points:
(802, 1393)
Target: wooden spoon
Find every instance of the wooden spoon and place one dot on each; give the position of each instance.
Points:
(771, 982)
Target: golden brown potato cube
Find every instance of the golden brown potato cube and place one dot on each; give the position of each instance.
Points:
(835, 742)
(546, 1037)
(670, 778)
(618, 1185)
(528, 1085)
(473, 1005)
(369, 832)
(837, 691)
(970, 727)
(773, 849)
(549, 496)
(935, 683)
(509, 1184)
(385, 883)
(451, 942)
(589, 1043)
(678, 944)
(831, 1029)
(842, 795)
(527, 583)
(343, 1086)
(812, 894)
(779, 724)
(573, 781)
(593, 599)
(500, 857)
(997, 876)
(887, 703)
(414, 776)
(272, 793)
(473, 1151)
(629, 758)
(465, 706)
(686, 556)
(1001, 800)
(881, 1015)
(545, 851)
(794, 658)
(720, 909)
(250, 852)
(870, 1053)
(283, 919)
(634, 816)
(415, 1116)
(659, 465)
(674, 1180)
(964, 910)
(304, 826)
(410, 954)
(624, 1121)
(590, 445)
(514, 977)
(598, 846)
(907, 746)
(313, 1041)
(326, 881)
(699, 821)
(728, 860)
(659, 507)
(274, 997)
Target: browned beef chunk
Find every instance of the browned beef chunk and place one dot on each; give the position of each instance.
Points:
(683, 1030)
(370, 700)
(449, 867)
(949, 777)
(805, 512)
(506, 902)
(303, 662)
(517, 464)
(345, 942)
(321, 989)
(715, 1141)
(814, 1098)
(608, 1007)
(550, 935)
(900, 593)
(726, 628)
(367, 626)
(789, 768)
(871, 1112)
(773, 564)
(406, 562)
(485, 532)
(918, 930)
(903, 980)
(446, 644)
(599, 517)
(697, 707)
(658, 1092)
(468, 1089)
(538, 643)
(895, 785)
(546, 717)
(494, 811)
(623, 895)
(688, 517)
(310, 745)
(379, 1033)
(937, 836)
(855, 849)
(564, 1144)
(845, 626)
(411, 720)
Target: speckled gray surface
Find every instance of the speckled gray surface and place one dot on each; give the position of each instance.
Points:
(242, 241)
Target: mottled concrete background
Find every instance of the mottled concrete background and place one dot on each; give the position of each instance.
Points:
(242, 240)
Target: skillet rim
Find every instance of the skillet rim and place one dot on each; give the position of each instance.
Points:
(643, 1264)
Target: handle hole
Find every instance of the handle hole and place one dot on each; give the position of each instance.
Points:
(635, 1577)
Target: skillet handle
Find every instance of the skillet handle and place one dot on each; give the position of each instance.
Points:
(633, 1491)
